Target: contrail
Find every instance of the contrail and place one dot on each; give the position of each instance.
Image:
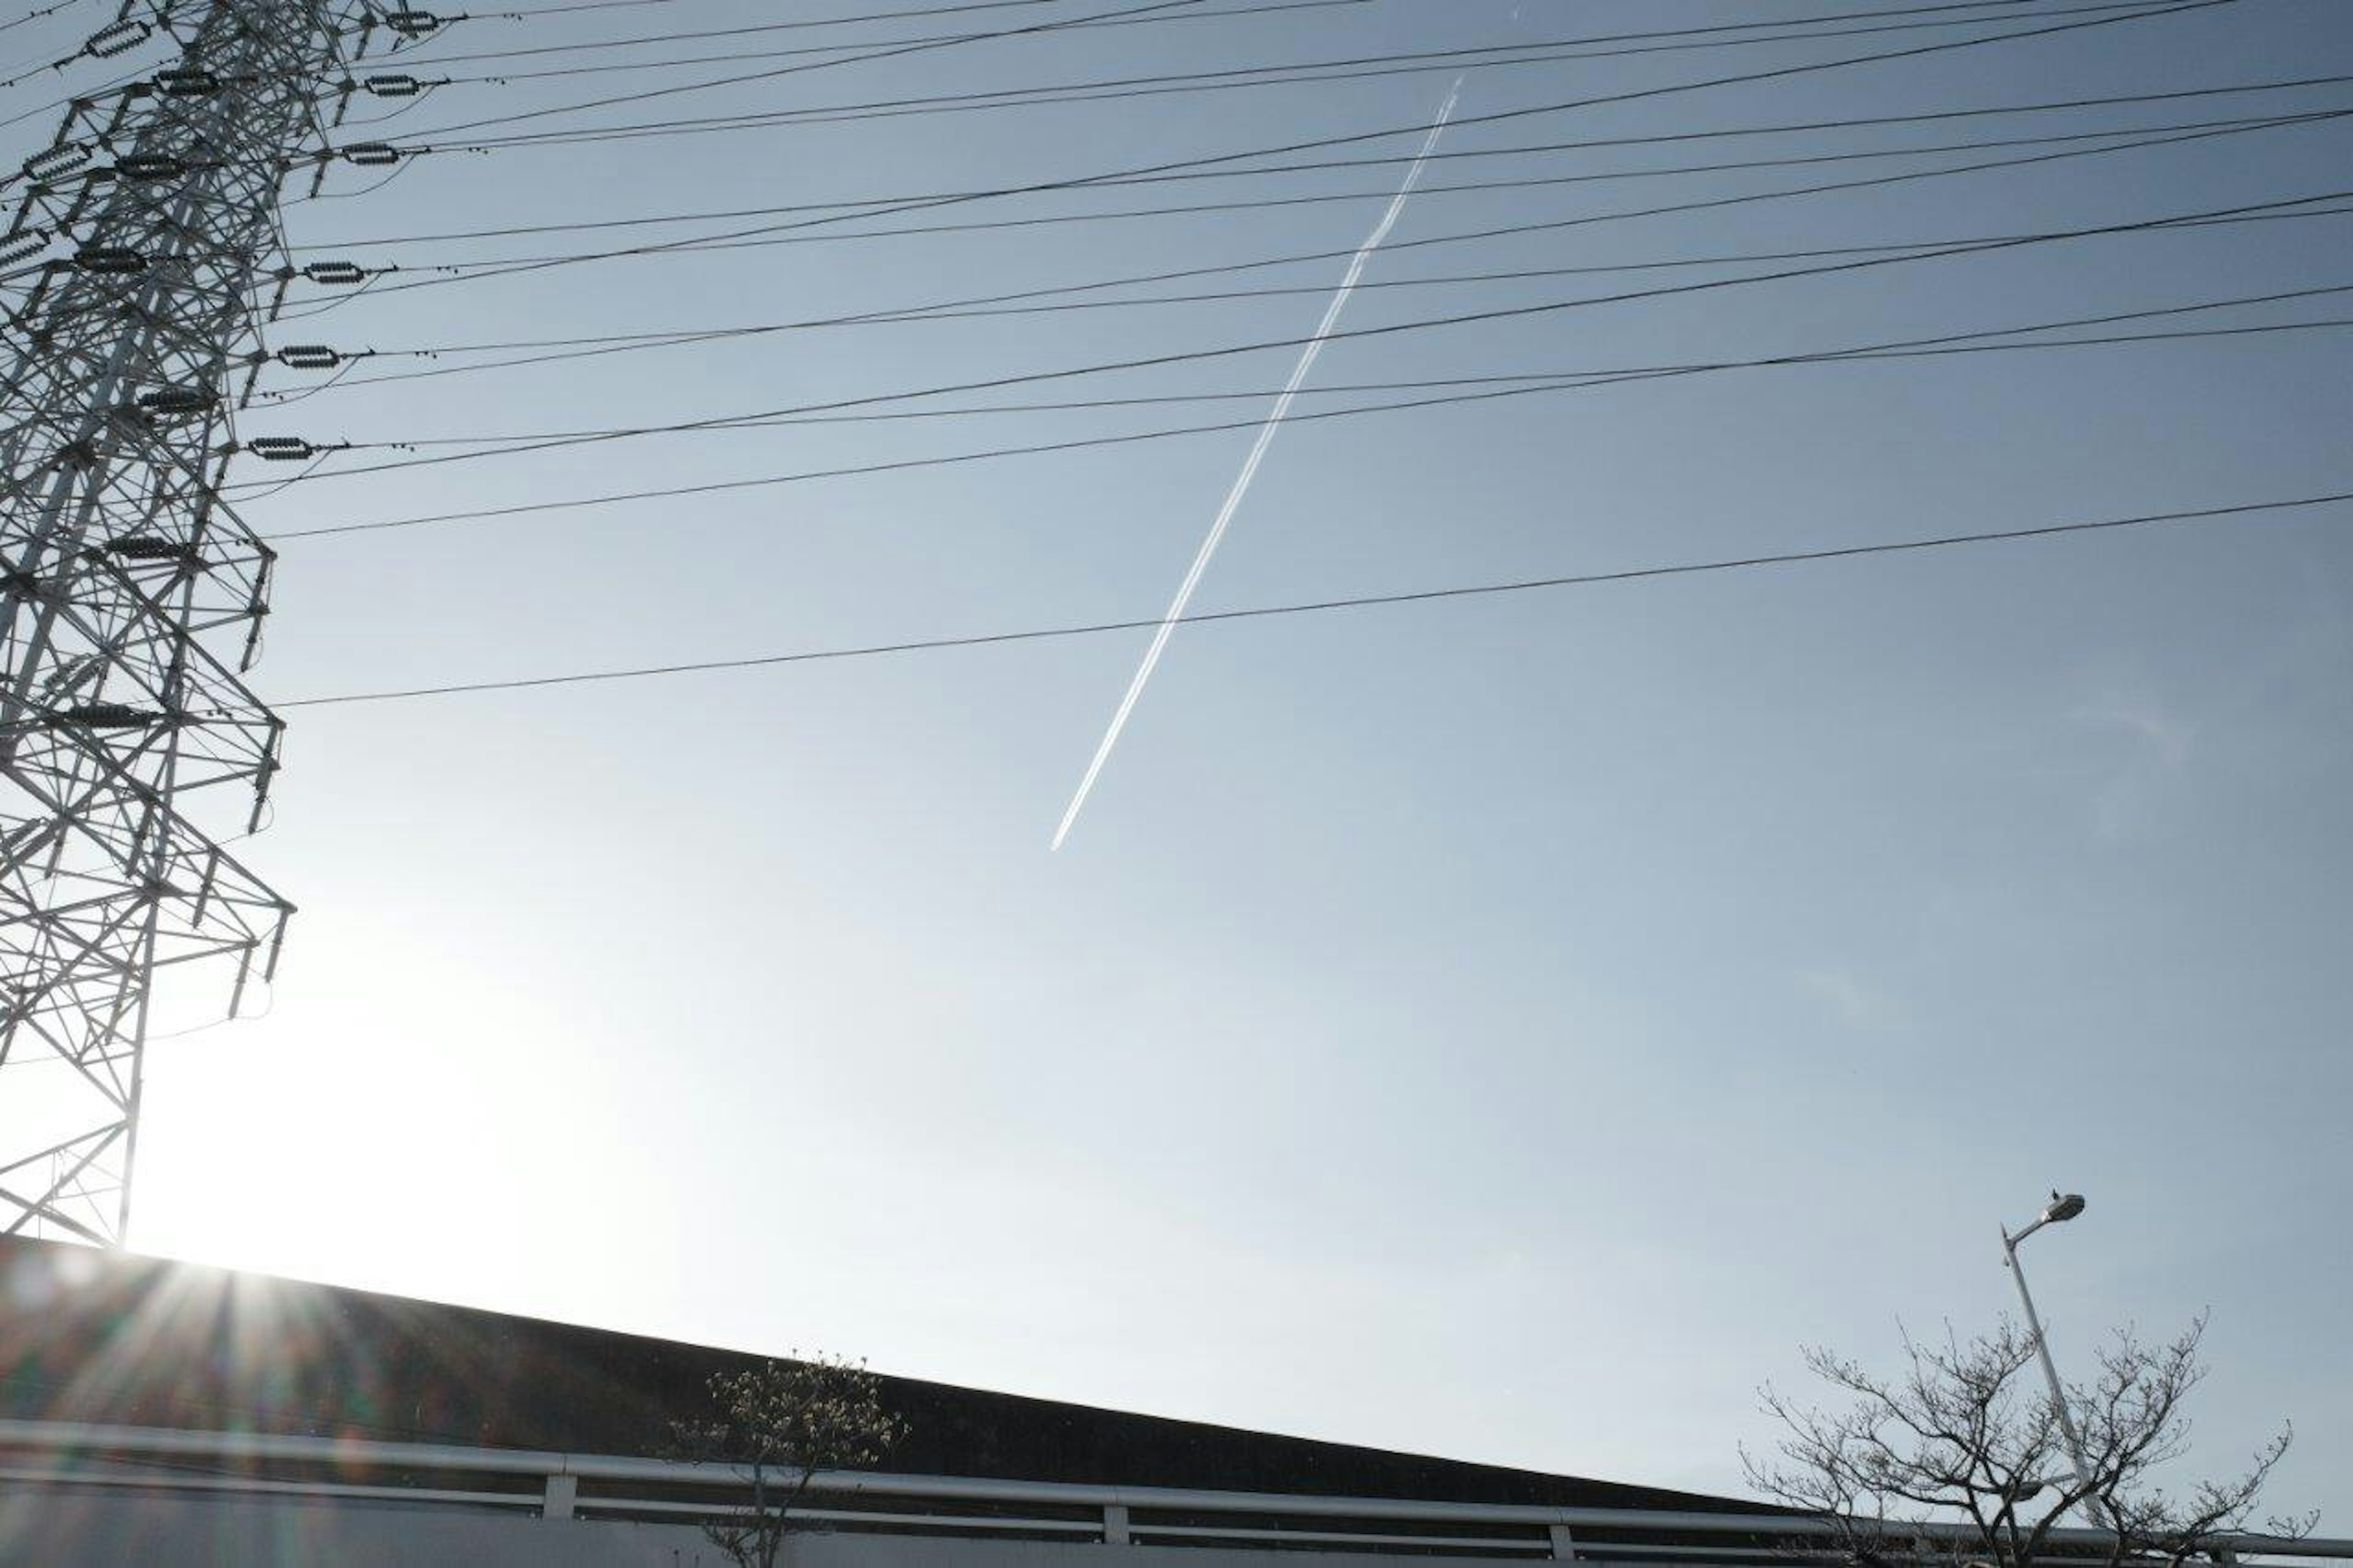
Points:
(1250, 464)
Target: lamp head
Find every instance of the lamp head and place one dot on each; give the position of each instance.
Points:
(2060, 1207)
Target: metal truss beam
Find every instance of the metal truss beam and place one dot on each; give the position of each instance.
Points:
(131, 598)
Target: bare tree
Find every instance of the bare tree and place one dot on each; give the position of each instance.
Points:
(783, 1422)
(1965, 1441)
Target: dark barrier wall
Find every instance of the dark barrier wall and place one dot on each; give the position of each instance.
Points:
(105, 1337)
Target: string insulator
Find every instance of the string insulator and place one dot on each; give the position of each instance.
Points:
(57, 160)
(372, 154)
(149, 166)
(117, 258)
(336, 272)
(309, 356)
(151, 547)
(23, 247)
(115, 40)
(412, 24)
(109, 716)
(176, 400)
(394, 84)
(282, 449)
(186, 81)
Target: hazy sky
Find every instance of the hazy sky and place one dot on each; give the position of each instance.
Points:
(1504, 1028)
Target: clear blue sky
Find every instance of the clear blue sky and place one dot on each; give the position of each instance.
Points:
(1504, 1028)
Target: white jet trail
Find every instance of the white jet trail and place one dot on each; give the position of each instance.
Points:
(1257, 456)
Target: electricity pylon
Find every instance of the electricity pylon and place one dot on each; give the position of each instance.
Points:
(131, 596)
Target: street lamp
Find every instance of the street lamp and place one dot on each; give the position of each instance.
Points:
(2059, 1209)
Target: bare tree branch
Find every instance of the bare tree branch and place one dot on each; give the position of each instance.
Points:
(1958, 1459)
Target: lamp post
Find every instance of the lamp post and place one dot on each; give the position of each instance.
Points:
(2057, 1210)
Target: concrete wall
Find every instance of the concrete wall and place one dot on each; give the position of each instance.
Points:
(89, 1529)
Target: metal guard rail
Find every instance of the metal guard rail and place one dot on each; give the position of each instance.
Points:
(586, 1486)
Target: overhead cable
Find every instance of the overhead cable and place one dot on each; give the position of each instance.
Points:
(1515, 388)
(996, 382)
(1353, 601)
(598, 346)
(1358, 137)
(1287, 69)
(692, 245)
(670, 37)
(38, 13)
(536, 12)
(436, 61)
(866, 56)
(460, 138)
(1524, 150)
(525, 443)
(448, 273)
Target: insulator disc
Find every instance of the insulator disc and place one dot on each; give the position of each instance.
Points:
(110, 258)
(113, 41)
(57, 160)
(150, 166)
(150, 547)
(109, 716)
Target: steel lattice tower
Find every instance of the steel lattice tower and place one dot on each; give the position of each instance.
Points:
(131, 598)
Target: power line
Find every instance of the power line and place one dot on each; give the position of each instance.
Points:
(902, 465)
(790, 233)
(1525, 46)
(672, 37)
(1268, 8)
(1845, 356)
(565, 350)
(2155, 135)
(765, 421)
(538, 11)
(1522, 312)
(1182, 84)
(1265, 6)
(1352, 602)
(55, 104)
(964, 102)
(891, 51)
(1042, 448)
(1580, 145)
(1358, 138)
(36, 15)
(805, 24)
